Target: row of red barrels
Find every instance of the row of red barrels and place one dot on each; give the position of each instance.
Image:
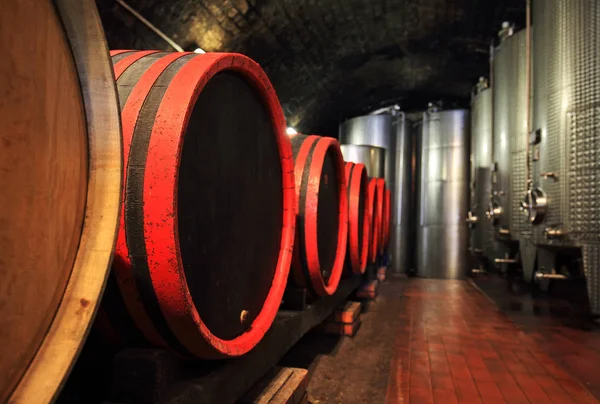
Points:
(213, 209)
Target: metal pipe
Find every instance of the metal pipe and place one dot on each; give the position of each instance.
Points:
(529, 73)
(392, 109)
(549, 174)
(492, 52)
(150, 25)
(553, 233)
(541, 275)
(503, 231)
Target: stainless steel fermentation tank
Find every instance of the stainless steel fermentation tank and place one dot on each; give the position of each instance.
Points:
(510, 147)
(481, 241)
(564, 204)
(372, 130)
(372, 157)
(389, 131)
(442, 232)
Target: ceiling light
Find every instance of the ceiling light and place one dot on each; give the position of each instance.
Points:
(291, 131)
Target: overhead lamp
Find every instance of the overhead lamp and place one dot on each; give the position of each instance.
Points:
(291, 131)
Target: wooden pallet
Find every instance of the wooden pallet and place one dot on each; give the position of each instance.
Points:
(369, 290)
(280, 386)
(344, 321)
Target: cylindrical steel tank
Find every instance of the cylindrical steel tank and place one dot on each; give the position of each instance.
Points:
(481, 130)
(442, 233)
(400, 244)
(510, 138)
(372, 157)
(481, 160)
(567, 133)
(372, 130)
(483, 246)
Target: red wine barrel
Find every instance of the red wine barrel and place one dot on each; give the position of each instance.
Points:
(380, 213)
(357, 183)
(372, 202)
(322, 207)
(207, 225)
(60, 176)
(387, 214)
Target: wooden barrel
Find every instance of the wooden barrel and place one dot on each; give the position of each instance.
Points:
(322, 208)
(375, 220)
(380, 213)
(207, 225)
(60, 176)
(358, 217)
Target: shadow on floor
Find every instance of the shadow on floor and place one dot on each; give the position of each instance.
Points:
(559, 322)
(353, 370)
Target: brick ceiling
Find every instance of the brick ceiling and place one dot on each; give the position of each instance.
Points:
(333, 59)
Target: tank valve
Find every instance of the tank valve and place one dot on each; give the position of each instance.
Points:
(503, 231)
(535, 204)
(506, 261)
(471, 219)
(553, 233)
(494, 211)
(541, 275)
(549, 174)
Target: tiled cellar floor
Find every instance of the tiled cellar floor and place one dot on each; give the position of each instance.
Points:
(435, 341)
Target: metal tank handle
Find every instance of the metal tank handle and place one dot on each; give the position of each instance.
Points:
(549, 174)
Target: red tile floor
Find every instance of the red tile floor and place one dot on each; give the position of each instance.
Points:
(454, 345)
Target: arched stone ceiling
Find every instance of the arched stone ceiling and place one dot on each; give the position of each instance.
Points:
(333, 59)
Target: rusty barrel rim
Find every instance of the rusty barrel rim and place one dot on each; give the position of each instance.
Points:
(315, 149)
(183, 330)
